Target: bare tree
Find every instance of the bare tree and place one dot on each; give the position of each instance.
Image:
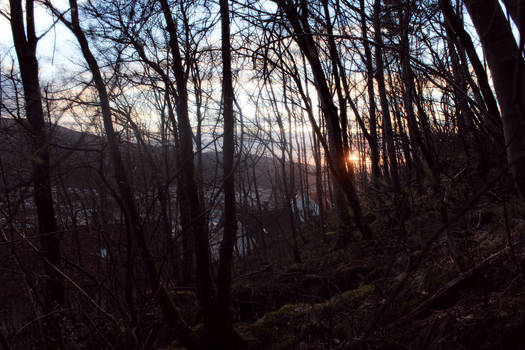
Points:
(508, 74)
(26, 40)
(492, 118)
(343, 172)
(223, 328)
(385, 108)
(133, 224)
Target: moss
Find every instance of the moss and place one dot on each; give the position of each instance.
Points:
(344, 313)
(303, 323)
(296, 268)
(282, 317)
(352, 268)
(188, 305)
(493, 242)
(352, 298)
(280, 327)
(349, 277)
(436, 278)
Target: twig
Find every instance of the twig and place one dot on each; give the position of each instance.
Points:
(450, 287)
(381, 307)
(509, 236)
(66, 277)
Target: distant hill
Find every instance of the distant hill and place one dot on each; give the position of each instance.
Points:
(78, 159)
(75, 156)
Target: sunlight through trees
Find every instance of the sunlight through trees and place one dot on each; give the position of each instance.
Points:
(187, 173)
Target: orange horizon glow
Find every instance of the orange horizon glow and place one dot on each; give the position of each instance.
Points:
(353, 157)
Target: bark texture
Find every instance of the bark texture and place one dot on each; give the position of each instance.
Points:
(25, 41)
(133, 223)
(508, 74)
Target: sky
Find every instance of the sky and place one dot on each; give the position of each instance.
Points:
(58, 53)
(54, 48)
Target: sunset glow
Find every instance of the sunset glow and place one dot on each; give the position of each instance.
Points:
(353, 157)
(262, 174)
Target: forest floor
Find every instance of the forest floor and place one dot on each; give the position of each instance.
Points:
(398, 291)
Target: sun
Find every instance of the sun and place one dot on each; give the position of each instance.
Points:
(353, 157)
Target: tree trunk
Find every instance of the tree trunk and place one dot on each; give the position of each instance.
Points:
(170, 312)
(223, 329)
(508, 74)
(191, 191)
(516, 8)
(380, 78)
(25, 46)
(345, 175)
(374, 148)
(493, 120)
